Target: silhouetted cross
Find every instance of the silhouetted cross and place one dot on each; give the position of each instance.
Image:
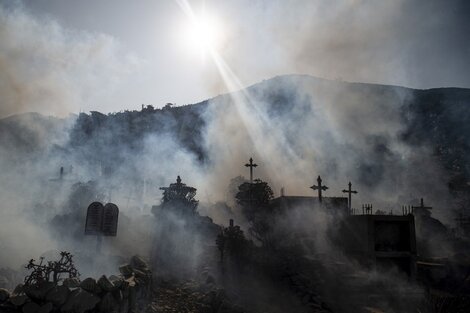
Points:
(421, 206)
(319, 188)
(349, 191)
(251, 165)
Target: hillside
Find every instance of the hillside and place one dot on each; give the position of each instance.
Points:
(376, 135)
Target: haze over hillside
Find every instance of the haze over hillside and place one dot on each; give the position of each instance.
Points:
(380, 137)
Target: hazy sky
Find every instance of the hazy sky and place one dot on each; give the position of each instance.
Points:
(109, 55)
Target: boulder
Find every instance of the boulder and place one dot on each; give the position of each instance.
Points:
(142, 277)
(90, 285)
(58, 295)
(126, 271)
(138, 262)
(113, 278)
(71, 282)
(18, 299)
(130, 281)
(18, 289)
(80, 301)
(4, 295)
(30, 307)
(118, 283)
(108, 304)
(38, 292)
(105, 284)
(117, 294)
(46, 308)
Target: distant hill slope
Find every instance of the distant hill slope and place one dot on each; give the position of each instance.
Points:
(438, 118)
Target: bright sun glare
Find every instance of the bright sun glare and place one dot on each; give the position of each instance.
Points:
(202, 32)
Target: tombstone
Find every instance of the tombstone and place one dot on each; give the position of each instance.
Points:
(101, 221)
(94, 219)
(110, 219)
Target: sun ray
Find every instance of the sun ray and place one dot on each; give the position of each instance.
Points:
(252, 117)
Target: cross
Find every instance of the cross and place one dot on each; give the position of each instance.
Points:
(349, 191)
(319, 188)
(421, 207)
(251, 165)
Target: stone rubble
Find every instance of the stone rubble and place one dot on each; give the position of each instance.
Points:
(191, 297)
(117, 294)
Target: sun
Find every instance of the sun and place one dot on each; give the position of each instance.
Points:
(202, 32)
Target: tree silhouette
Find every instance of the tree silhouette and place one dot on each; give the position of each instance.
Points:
(51, 271)
(254, 198)
(232, 241)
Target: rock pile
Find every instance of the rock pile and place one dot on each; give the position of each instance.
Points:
(124, 293)
(191, 297)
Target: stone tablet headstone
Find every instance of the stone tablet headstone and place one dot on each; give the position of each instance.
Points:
(102, 220)
(110, 219)
(94, 219)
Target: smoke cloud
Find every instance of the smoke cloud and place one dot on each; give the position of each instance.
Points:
(49, 69)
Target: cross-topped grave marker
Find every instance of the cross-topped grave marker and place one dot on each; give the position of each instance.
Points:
(423, 210)
(349, 191)
(251, 165)
(319, 187)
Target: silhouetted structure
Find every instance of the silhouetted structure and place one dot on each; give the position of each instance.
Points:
(335, 205)
(179, 198)
(380, 241)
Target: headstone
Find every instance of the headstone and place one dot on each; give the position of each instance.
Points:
(102, 220)
(94, 219)
(110, 219)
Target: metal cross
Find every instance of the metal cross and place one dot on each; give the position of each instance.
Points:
(251, 165)
(349, 191)
(319, 187)
(422, 207)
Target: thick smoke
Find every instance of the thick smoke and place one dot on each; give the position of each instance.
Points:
(294, 127)
(418, 43)
(48, 69)
(52, 70)
(301, 127)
